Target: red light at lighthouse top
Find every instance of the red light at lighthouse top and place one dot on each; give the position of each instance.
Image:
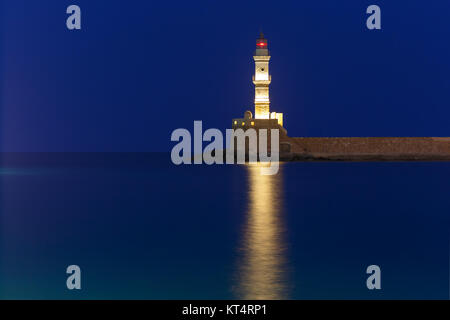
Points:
(261, 43)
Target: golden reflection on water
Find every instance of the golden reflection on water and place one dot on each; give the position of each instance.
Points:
(262, 268)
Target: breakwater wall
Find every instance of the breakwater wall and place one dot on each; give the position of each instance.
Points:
(366, 148)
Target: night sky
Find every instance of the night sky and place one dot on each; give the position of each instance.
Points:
(137, 70)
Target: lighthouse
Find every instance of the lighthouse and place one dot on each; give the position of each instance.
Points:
(262, 79)
(262, 118)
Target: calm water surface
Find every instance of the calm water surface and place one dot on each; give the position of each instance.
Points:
(140, 227)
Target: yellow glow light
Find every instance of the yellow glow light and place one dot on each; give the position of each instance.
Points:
(262, 269)
(280, 118)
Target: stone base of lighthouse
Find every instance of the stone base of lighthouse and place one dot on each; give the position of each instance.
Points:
(248, 122)
(243, 123)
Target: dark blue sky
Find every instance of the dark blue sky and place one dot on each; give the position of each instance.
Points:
(140, 69)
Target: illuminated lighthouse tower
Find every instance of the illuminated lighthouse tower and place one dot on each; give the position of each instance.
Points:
(263, 118)
(262, 79)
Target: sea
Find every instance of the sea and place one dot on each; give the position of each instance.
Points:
(140, 227)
